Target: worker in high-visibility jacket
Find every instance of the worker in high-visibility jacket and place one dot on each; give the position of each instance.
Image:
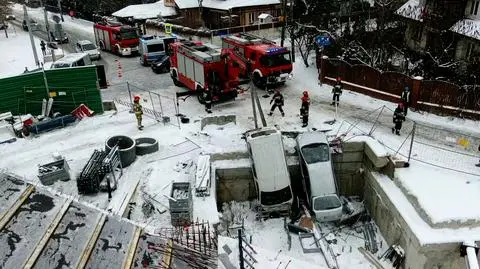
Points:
(137, 109)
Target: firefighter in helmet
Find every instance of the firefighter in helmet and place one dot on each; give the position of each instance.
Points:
(337, 91)
(277, 101)
(138, 110)
(207, 96)
(398, 119)
(304, 108)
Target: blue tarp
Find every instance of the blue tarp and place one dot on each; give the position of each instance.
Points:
(45, 126)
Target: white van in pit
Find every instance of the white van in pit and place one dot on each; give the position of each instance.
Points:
(318, 177)
(270, 171)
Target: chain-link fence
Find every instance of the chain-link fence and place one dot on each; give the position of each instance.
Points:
(436, 146)
(160, 107)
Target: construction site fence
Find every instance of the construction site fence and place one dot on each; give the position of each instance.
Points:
(158, 106)
(433, 96)
(431, 145)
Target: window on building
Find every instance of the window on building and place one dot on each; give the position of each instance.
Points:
(472, 51)
(474, 7)
(251, 17)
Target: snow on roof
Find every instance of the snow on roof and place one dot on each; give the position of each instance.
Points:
(412, 10)
(264, 16)
(224, 4)
(467, 27)
(375, 146)
(146, 11)
(424, 232)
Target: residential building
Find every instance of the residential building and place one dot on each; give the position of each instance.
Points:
(439, 26)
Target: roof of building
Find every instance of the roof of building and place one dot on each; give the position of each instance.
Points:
(224, 4)
(146, 11)
(412, 10)
(467, 27)
(264, 16)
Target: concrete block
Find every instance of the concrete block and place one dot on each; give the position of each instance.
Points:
(348, 157)
(353, 146)
(218, 120)
(378, 162)
(342, 167)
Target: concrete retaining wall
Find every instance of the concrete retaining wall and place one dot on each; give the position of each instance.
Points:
(396, 231)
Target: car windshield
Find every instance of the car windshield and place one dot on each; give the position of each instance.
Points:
(317, 152)
(128, 34)
(326, 203)
(89, 47)
(275, 59)
(275, 197)
(155, 47)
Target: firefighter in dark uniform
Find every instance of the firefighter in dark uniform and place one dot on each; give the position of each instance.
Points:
(337, 91)
(207, 96)
(406, 100)
(138, 110)
(277, 101)
(398, 119)
(42, 46)
(304, 108)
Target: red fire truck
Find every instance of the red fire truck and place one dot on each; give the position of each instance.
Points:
(199, 66)
(270, 63)
(116, 37)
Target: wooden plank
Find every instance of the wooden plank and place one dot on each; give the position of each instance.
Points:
(91, 242)
(167, 257)
(51, 228)
(112, 244)
(132, 248)
(24, 231)
(5, 218)
(11, 188)
(69, 240)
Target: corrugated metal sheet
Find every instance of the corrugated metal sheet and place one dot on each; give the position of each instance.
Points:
(69, 87)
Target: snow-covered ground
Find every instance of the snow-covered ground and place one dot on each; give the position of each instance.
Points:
(151, 175)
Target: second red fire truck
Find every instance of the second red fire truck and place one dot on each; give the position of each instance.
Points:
(199, 66)
(116, 37)
(270, 63)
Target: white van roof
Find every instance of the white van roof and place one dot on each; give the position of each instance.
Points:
(72, 57)
(269, 160)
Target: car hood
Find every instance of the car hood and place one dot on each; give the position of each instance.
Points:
(92, 52)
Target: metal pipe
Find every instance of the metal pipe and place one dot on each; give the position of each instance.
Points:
(29, 25)
(411, 141)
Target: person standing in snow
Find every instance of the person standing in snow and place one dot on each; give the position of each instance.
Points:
(337, 91)
(406, 100)
(138, 110)
(478, 164)
(304, 108)
(277, 101)
(207, 96)
(43, 47)
(398, 119)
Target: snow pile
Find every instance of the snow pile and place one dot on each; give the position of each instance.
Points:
(146, 11)
(441, 194)
(375, 146)
(467, 27)
(412, 10)
(222, 138)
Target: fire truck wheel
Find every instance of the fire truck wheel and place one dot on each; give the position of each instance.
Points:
(200, 98)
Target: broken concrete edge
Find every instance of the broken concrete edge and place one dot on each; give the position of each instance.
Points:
(109, 105)
(396, 230)
(218, 120)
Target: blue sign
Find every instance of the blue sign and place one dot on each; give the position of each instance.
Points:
(323, 41)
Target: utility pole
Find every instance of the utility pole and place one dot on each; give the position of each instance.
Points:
(59, 5)
(29, 25)
(284, 22)
(45, 16)
(292, 35)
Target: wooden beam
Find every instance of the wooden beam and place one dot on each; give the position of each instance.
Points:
(91, 242)
(5, 218)
(167, 256)
(51, 228)
(133, 247)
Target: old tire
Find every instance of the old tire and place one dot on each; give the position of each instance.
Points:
(126, 148)
(258, 81)
(175, 79)
(146, 145)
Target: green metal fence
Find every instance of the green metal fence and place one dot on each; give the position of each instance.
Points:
(69, 87)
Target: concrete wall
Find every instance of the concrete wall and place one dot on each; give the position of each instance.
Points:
(347, 167)
(396, 231)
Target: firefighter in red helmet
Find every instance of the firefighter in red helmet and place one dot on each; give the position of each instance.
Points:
(138, 110)
(304, 108)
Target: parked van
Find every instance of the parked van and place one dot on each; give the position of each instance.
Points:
(72, 60)
(152, 48)
(270, 171)
(318, 177)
